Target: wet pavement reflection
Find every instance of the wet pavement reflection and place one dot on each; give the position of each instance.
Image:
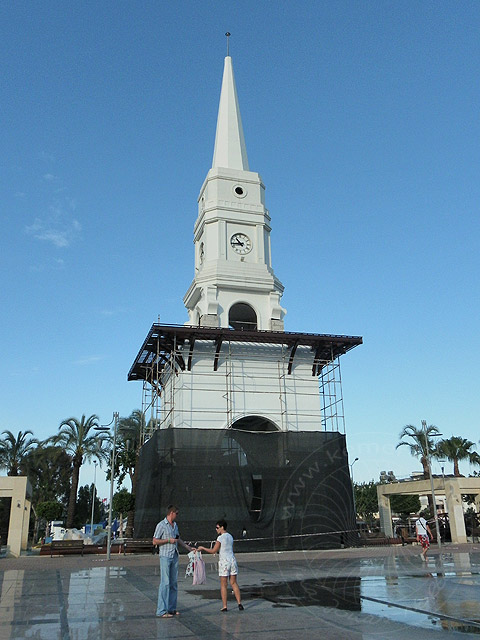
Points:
(340, 593)
(381, 595)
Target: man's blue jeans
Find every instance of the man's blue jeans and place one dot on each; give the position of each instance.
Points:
(167, 591)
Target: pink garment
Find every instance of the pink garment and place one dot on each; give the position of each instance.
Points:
(199, 576)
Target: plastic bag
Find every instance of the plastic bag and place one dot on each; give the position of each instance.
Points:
(199, 576)
(191, 564)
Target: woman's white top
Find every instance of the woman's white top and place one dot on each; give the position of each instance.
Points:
(226, 546)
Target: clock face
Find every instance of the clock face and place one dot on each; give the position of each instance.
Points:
(241, 243)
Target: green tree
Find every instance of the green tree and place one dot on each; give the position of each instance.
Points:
(83, 511)
(455, 449)
(81, 443)
(13, 450)
(404, 505)
(49, 470)
(130, 438)
(50, 510)
(122, 503)
(366, 500)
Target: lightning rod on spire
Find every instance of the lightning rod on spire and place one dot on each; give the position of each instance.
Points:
(228, 34)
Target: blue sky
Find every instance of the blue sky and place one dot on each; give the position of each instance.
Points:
(361, 117)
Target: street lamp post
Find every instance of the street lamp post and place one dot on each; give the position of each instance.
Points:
(93, 496)
(439, 540)
(353, 490)
(351, 468)
(112, 477)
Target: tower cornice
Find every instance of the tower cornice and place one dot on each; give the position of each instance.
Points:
(235, 175)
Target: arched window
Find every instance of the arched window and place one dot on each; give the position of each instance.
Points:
(242, 317)
(254, 423)
(255, 489)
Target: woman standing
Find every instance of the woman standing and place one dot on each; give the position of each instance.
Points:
(227, 564)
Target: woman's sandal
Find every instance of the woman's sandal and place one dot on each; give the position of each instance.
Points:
(240, 607)
(223, 610)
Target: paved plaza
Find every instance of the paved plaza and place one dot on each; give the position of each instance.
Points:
(369, 593)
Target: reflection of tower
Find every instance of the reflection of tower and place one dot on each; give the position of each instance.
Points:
(232, 366)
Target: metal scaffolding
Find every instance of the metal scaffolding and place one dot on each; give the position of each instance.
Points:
(168, 351)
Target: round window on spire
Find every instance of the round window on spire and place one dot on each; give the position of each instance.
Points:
(239, 191)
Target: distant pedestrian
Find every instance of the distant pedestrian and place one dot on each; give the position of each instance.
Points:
(227, 564)
(423, 536)
(166, 537)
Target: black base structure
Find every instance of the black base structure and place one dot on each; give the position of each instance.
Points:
(277, 490)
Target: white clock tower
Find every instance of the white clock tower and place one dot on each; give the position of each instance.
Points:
(232, 365)
(240, 413)
(234, 284)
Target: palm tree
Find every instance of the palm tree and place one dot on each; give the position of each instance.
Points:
(130, 431)
(421, 446)
(421, 443)
(455, 449)
(13, 450)
(74, 435)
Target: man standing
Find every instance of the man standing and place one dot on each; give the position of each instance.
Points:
(423, 532)
(166, 537)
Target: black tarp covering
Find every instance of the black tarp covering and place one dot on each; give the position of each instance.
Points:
(289, 490)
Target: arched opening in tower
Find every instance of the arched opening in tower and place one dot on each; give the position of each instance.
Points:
(254, 423)
(255, 486)
(242, 317)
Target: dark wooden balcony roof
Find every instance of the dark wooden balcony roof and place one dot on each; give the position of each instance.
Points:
(160, 343)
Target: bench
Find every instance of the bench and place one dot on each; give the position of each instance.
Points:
(60, 546)
(140, 545)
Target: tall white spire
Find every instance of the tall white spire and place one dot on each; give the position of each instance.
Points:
(234, 283)
(230, 150)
